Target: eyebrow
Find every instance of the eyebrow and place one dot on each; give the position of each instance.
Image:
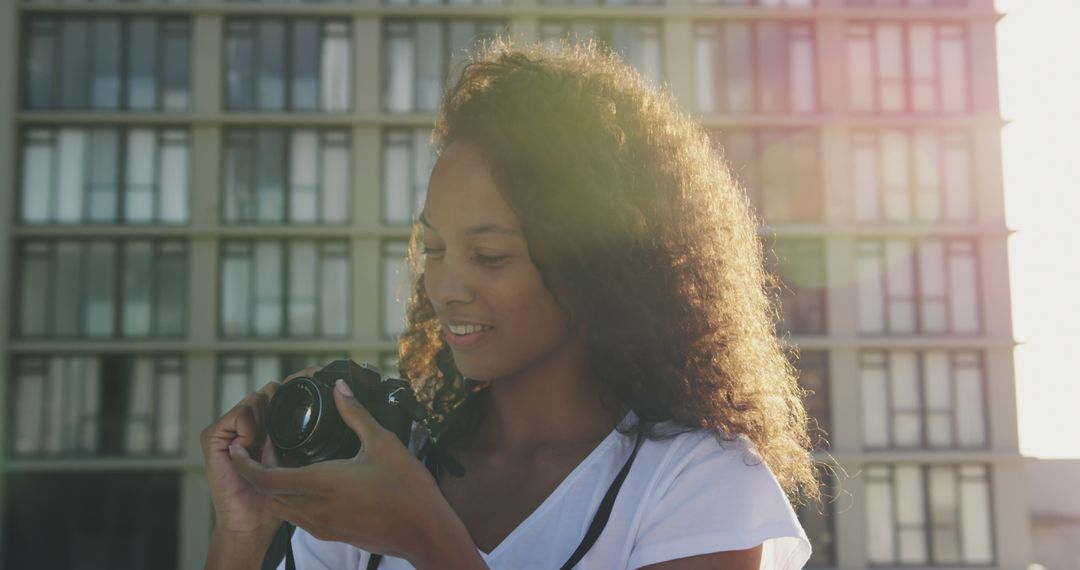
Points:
(478, 229)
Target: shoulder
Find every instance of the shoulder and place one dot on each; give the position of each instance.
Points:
(706, 494)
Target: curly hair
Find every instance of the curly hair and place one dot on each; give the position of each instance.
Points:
(642, 234)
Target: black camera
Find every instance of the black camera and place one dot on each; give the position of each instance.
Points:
(303, 421)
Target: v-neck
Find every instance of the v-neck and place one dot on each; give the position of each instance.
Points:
(593, 456)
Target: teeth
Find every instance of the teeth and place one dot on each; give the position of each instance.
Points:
(466, 329)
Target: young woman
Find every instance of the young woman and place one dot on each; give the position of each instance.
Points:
(588, 300)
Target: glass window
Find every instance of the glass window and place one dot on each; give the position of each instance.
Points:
(108, 175)
(299, 64)
(907, 68)
(638, 42)
(132, 289)
(780, 170)
(764, 67)
(408, 158)
(817, 521)
(315, 164)
(913, 3)
(923, 399)
(140, 530)
(922, 515)
(97, 405)
(242, 374)
(107, 63)
(421, 55)
(275, 288)
(912, 176)
(395, 286)
(761, 3)
(813, 366)
(800, 264)
(929, 286)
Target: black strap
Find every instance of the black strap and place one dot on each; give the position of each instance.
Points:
(290, 562)
(596, 527)
(601, 517)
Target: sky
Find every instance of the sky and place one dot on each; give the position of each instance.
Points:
(1039, 79)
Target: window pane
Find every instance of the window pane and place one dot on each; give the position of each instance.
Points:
(37, 170)
(101, 289)
(169, 421)
(802, 68)
(963, 288)
(175, 75)
(105, 88)
(305, 65)
(138, 284)
(430, 64)
(239, 66)
(239, 174)
(270, 153)
(879, 519)
(304, 169)
(401, 59)
(142, 64)
(303, 288)
(103, 176)
(69, 200)
(395, 285)
(970, 402)
(335, 183)
(33, 290)
(869, 289)
(739, 65)
(173, 202)
(875, 406)
(172, 289)
(977, 542)
(396, 180)
(860, 55)
(68, 282)
(864, 163)
(336, 67)
(954, 75)
(335, 290)
(40, 58)
(271, 66)
(141, 163)
(705, 59)
(74, 64)
(236, 290)
(268, 285)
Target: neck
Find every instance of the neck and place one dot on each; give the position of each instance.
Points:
(555, 403)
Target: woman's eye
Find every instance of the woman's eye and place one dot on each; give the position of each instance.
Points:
(490, 259)
(433, 251)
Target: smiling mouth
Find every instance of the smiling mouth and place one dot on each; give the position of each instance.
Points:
(465, 330)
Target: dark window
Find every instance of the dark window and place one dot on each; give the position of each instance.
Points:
(813, 368)
(107, 63)
(780, 170)
(101, 288)
(92, 520)
(800, 264)
(273, 64)
(97, 405)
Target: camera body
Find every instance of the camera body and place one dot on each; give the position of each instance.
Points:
(302, 419)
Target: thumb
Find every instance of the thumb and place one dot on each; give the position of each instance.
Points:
(356, 415)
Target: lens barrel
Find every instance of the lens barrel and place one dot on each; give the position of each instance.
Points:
(304, 425)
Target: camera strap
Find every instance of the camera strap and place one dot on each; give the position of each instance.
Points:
(599, 521)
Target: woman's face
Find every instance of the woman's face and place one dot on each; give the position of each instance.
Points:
(495, 312)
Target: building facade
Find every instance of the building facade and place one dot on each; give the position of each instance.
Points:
(201, 196)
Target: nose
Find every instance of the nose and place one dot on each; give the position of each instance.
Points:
(448, 282)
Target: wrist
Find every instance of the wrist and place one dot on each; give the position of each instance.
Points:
(238, 549)
(447, 545)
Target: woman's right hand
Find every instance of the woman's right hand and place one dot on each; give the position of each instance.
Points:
(240, 510)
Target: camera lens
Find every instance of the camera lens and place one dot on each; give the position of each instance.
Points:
(294, 413)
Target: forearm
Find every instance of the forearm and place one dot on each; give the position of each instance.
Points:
(237, 551)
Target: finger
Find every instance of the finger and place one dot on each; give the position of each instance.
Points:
(308, 372)
(268, 481)
(356, 416)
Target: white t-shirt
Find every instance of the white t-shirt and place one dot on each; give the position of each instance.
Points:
(684, 496)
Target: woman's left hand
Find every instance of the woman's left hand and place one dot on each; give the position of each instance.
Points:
(383, 500)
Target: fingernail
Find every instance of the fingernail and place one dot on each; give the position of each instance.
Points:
(342, 387)
(237, 451)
